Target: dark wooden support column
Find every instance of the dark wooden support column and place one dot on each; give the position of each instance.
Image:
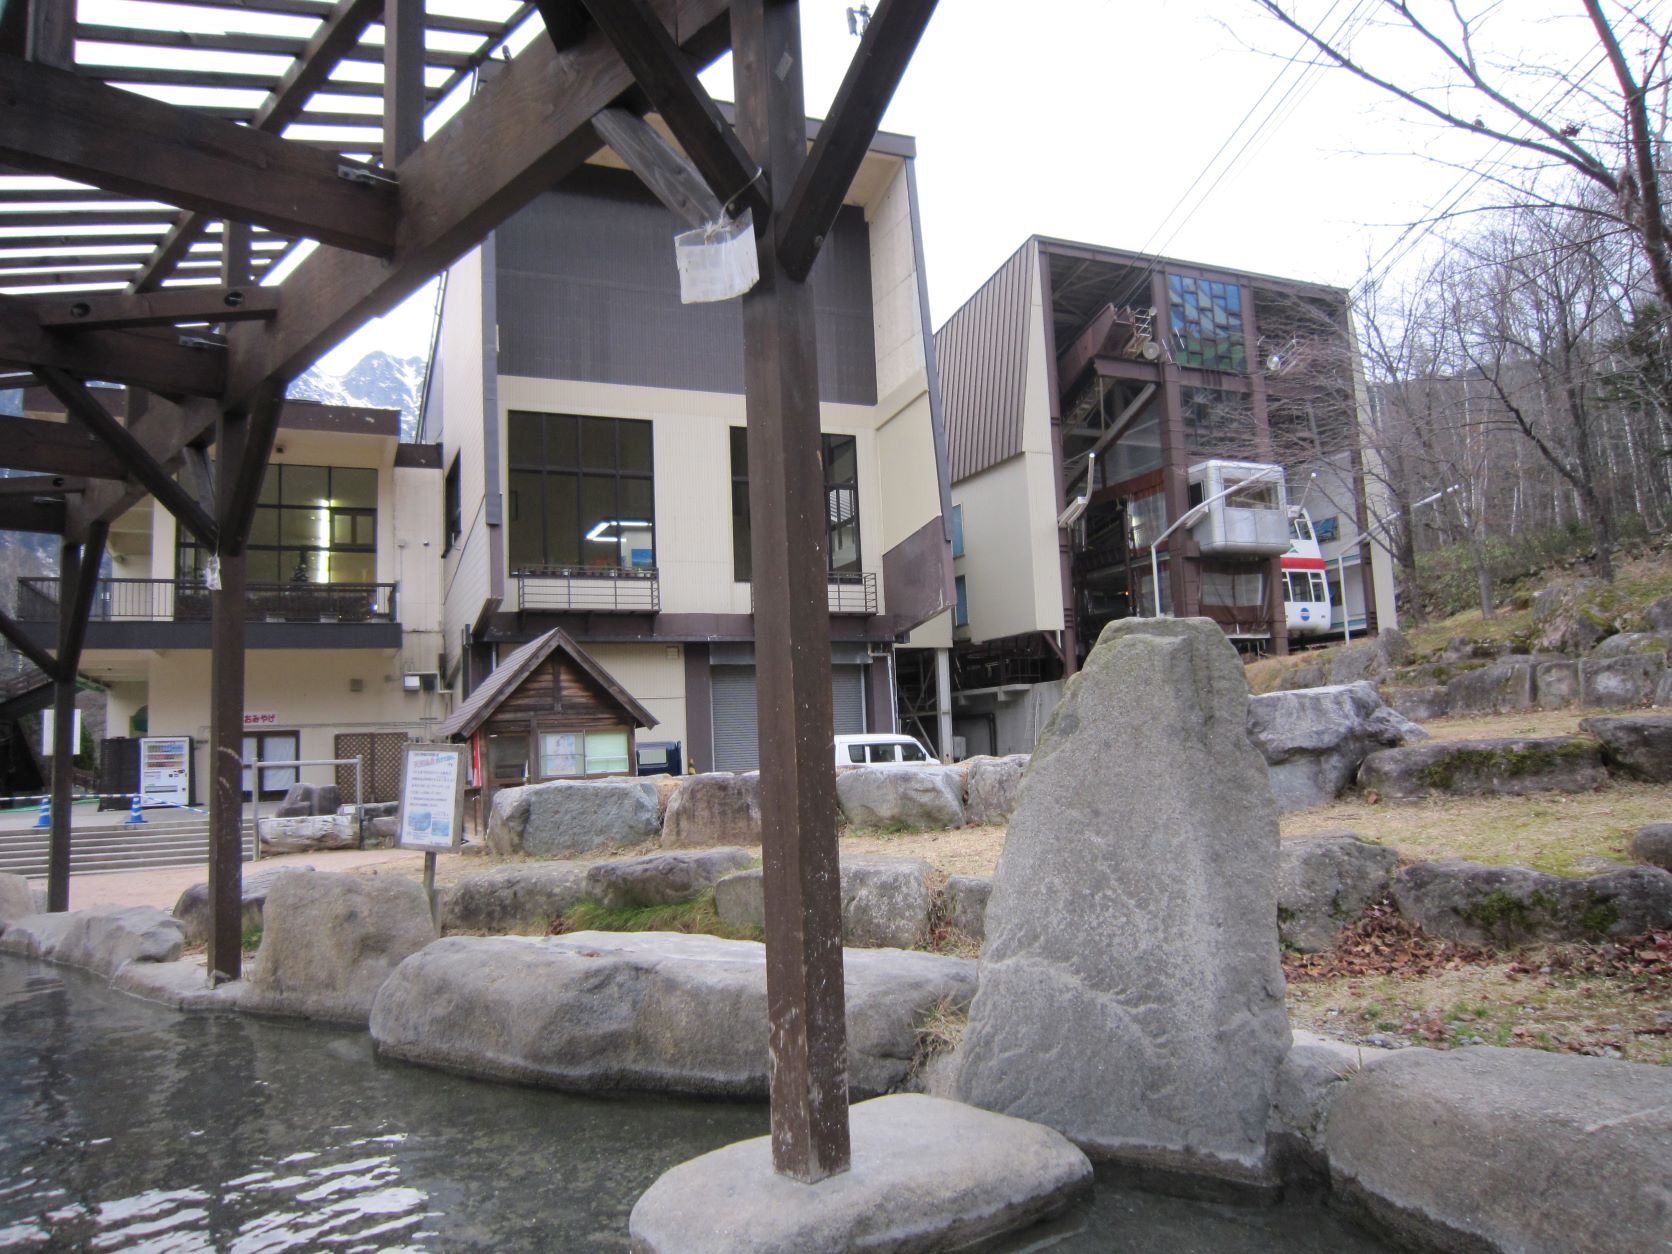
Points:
(1069, 640)
(78, 574)
(805, 996)
(403, 79)
(226, 719)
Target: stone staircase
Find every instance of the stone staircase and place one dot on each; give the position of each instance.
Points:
(94, 850)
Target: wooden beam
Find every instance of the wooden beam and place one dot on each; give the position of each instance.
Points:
(197, 476)
(147, 359)
(60, 123)
(79, 401)
(51, 39)
(21, 641)
(238, 487)
(78, 577)
(667, 77)
(102, 311)
(659, 166)
(403, 79)
(40, 485)
(804, 991)
(520, 134)
(226, 716)
(55, 448)
(79, 590)
(336, 35)
(814, 201)
(164, 431)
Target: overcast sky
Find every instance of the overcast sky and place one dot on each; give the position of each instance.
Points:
(1171, 126)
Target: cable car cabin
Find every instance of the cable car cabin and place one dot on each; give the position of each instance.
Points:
(1247, 509)
(1306, 601)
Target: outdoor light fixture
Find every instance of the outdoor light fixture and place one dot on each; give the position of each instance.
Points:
(597, 533)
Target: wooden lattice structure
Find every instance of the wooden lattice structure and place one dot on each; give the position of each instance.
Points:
(148, 272)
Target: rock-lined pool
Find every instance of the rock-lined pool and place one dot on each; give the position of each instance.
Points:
(125, 1126)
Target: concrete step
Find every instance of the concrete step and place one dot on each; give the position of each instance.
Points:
(38, 870)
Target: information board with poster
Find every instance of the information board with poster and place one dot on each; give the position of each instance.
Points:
(165, 766)
(432, 805)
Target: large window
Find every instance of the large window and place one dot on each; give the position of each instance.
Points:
(841, 498)
(1206, 323)
(453, 504)
(313, 524)
(957, 531)
(582, 493)
(961, 611)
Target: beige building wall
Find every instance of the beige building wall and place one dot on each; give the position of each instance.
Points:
(308, 691)
(655, 675)
(898, 324)
(465, 568)
(1011, 580)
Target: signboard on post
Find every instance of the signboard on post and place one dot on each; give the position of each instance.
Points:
(165, 766)
(432, 798)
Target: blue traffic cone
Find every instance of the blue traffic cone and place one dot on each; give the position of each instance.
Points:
(44, 819)
(134, 816)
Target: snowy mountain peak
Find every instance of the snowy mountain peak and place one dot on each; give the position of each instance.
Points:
(377, 379)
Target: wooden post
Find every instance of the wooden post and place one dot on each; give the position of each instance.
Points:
(805, 997)
(63, 735)
(226, 723)
(403, 79)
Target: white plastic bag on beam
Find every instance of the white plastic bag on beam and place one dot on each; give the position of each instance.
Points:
(717, 261)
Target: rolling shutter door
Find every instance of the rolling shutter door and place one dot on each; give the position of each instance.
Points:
(735, 744)
(847, 691)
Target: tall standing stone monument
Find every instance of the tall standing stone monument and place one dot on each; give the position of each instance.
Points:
(1131, 994)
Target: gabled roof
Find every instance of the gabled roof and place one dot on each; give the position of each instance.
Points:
(508, 676)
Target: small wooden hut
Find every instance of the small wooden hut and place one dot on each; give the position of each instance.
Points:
(547, 712)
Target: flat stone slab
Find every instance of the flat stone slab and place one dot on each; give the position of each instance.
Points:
(99, 940)
(927, 1175)
(179, 985)
(515, 898)
(1467, 768)
(657, 1011)
(1508, 1149)
(661, 879)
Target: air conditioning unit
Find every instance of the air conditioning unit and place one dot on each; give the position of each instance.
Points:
(421, 681)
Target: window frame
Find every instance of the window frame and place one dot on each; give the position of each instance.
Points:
(742, 527)
(452, 507)
(558, 466)
(190, 556)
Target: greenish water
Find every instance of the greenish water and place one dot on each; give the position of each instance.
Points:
(125, 1126)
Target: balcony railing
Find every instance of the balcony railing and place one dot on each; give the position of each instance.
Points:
(854, 595)
(589, 590)
(187, 601)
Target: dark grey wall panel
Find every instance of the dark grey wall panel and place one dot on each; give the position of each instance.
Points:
(588, 290)
(982, 352)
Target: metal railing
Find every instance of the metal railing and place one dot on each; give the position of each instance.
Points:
(187, 601)
(589, 590)
(847, 594)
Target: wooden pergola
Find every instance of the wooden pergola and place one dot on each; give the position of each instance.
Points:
(324, 141)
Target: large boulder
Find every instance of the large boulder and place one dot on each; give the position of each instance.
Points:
(1652, 845)
(1313, 1074)
(192, 908)
(1326, 881)
(100, 940)
(993, 787)
(717, 809)
(1658, 615)
(16, 901)
(1628, 643)
(329, 941)
(1419, 703)
(1504, 687)
(923, 798)
(1574, 618)
(1556, 684)
(1366, 659)
(1131, 990)
(661, 879)
(1508, 1149)
(308, 833)
(1512, 905)
(1314, 739)
(521, 897)
(600, 1011)
(1618, 682)
(966, 903)
(885, 901)
(927, 1175)
(567, 817)
(1637, 745)
(1485, 768)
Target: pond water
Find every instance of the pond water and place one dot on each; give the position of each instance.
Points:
(126, 1126)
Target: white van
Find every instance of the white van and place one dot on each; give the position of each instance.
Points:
(874, 748)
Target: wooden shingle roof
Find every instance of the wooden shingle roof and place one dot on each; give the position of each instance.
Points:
(508, 676)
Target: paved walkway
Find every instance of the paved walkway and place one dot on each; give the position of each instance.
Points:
(163, 888)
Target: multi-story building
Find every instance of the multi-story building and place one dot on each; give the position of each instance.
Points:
(344, 629)
(1093, 397)
(596, 470)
